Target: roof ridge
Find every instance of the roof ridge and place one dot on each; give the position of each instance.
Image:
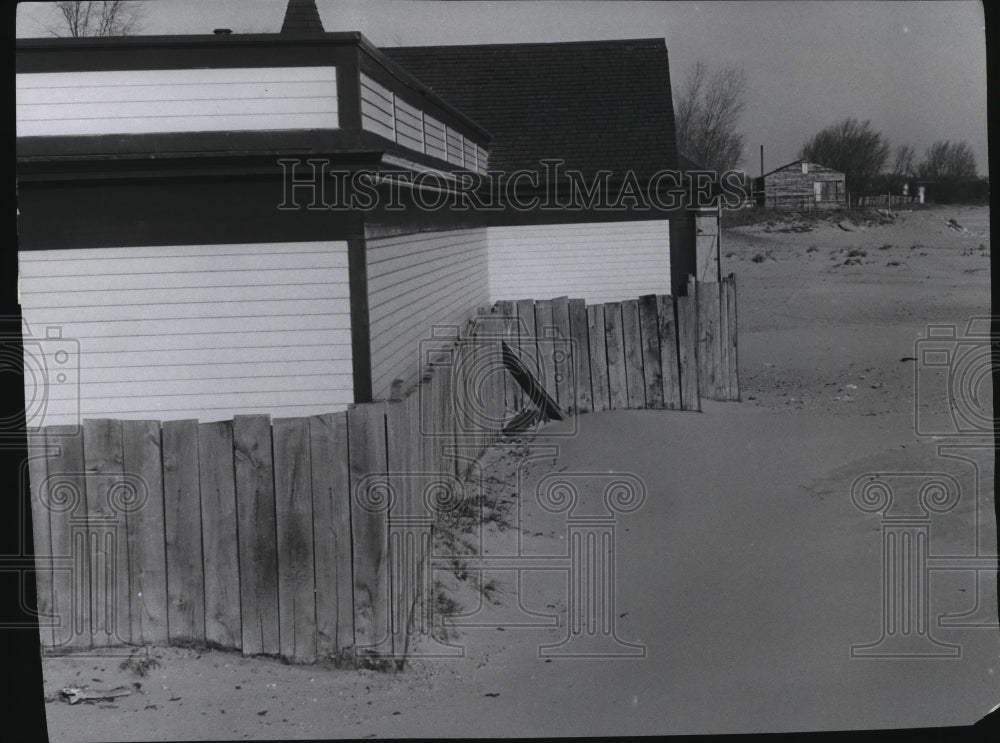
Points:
(545, 44)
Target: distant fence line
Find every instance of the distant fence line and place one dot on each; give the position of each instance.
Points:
(309, 537)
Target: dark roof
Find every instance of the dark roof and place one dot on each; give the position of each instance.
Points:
(822, 168)
(594, 104)
(302, 17)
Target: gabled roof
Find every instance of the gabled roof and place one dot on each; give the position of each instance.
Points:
(594, 104)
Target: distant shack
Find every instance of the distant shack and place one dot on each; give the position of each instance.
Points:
(802, 186)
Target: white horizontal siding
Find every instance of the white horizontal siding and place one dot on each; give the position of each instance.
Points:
(190, 100)
(598, 262)
(455, 147)
(414, 283)
(377, 108)
(197, 331)
(434, 137)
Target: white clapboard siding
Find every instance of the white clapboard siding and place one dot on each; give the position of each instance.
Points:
(482, 158)
(409, 126)
(377, 109)
(434, 135)
(414, 283)
(598, 262)
(195, 331)
(455, 148)
(188, 100)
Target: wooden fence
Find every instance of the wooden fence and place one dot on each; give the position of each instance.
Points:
(657, 351)
(309, 537)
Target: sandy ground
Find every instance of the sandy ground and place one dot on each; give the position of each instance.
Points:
(743, 579)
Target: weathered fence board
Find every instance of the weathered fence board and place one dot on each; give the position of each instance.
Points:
(252, 455)
(544, 337)
(37, 472)
(580, 350)
(687, 343)
(142, 458)
(66, 497)
(294, 523)
(709, 345)
(614, 338)
(369, 525)
(725, 349)
(507, 310)
(562, 358)
(401, 513)
(598, 357)
(650, 337)
(666, 320)
(102, 451)
(632, 347)
(220, 545)
(182, 524)
(332, 533)
(732, 337)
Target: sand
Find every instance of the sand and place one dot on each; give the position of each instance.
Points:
(744, 578)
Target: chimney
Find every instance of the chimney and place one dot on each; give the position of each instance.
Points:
(302, 18)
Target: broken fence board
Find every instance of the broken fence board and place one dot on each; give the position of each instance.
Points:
(294, 525)
(182, 522)
(649, 330)
(143, 459)
(254, 467)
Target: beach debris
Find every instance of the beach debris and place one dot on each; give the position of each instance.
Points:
(77, 694)
(845, 225)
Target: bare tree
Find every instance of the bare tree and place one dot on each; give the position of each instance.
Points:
(904, 164)
(707, 113)
(946, 160)
(853, 148)
(96, 18)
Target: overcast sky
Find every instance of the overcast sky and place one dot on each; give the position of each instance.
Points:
(916, 69)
